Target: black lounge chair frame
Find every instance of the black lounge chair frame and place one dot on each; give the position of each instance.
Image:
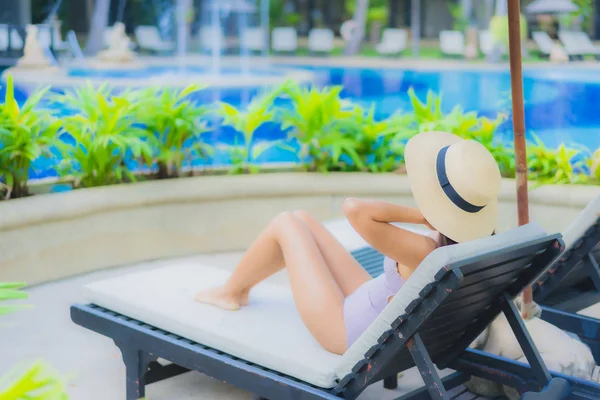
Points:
(576, 263)
(418, 337)
(579, 261)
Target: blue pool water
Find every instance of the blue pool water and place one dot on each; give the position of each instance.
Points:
(155, 71)
(562, 105)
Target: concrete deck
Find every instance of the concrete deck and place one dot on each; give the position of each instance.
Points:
(93, 363)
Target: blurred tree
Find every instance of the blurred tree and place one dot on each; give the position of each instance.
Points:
(283, 13)
(459, 22)
(360, 20)
(377, 17)
(40, 10)
(95, 41)
(586, 12)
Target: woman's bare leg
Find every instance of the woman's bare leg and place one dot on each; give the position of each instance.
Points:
(268, 258)
(317, 295)
(262, 259)
(346, 271)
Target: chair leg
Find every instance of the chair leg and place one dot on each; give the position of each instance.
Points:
(136, 366)
(538, 367)
(391, 382)
(423, 362)
(594, 270)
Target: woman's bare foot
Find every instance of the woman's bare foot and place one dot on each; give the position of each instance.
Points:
(221, 298)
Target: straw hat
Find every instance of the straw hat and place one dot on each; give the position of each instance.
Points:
(455, 184)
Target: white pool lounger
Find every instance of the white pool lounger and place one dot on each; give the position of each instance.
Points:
(264, 348)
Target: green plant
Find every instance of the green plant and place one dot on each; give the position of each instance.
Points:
(26, 133)
(34, 382)
(105, 135)
(11, 291)
(377, 14)
(322, 123)
(380, 144)
(258, 112)
(459, 22)
(468, 125)
(38, 381)
(499, 28)
(555, 166)
(585, 9)
(593, 166)
(291, 19)
(175, 125)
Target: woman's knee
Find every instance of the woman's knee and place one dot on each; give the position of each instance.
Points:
(303, 215)
(283, 219)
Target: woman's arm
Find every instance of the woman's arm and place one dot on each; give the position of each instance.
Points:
(371, 219)
(382, 211)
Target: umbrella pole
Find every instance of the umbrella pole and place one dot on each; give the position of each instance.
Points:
(516, 80)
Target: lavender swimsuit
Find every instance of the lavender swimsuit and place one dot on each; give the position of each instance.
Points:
(364, 305)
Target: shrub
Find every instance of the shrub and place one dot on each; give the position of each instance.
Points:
(322, 123)
(108, 134)
(555, 166)
(26, 134)
(593, 165)
(105, 137)
(258, 112)
(468, 125)
(175, 126)
(380, 144)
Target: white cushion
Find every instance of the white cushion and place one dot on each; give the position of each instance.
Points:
(424, 275)
(320, 40)
(284, 39)
(452, 42)
(588, 216)
(269, 332)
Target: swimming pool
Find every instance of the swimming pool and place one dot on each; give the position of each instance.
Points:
(561, 104)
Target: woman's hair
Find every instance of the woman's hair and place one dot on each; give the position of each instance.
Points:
(446, 241)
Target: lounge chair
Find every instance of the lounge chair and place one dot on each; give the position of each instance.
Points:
(544, 42)
(453, 295)
(320, 41)
(284, 40)
(393, 42)
(452, 43)
(49, 37)
(10, 39)
(578, 44)
(254, 39)
(3, 37)
(575, 274)
(148, 38)
(572, 283)
(211, 39)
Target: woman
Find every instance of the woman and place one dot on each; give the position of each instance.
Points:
(455, 184)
